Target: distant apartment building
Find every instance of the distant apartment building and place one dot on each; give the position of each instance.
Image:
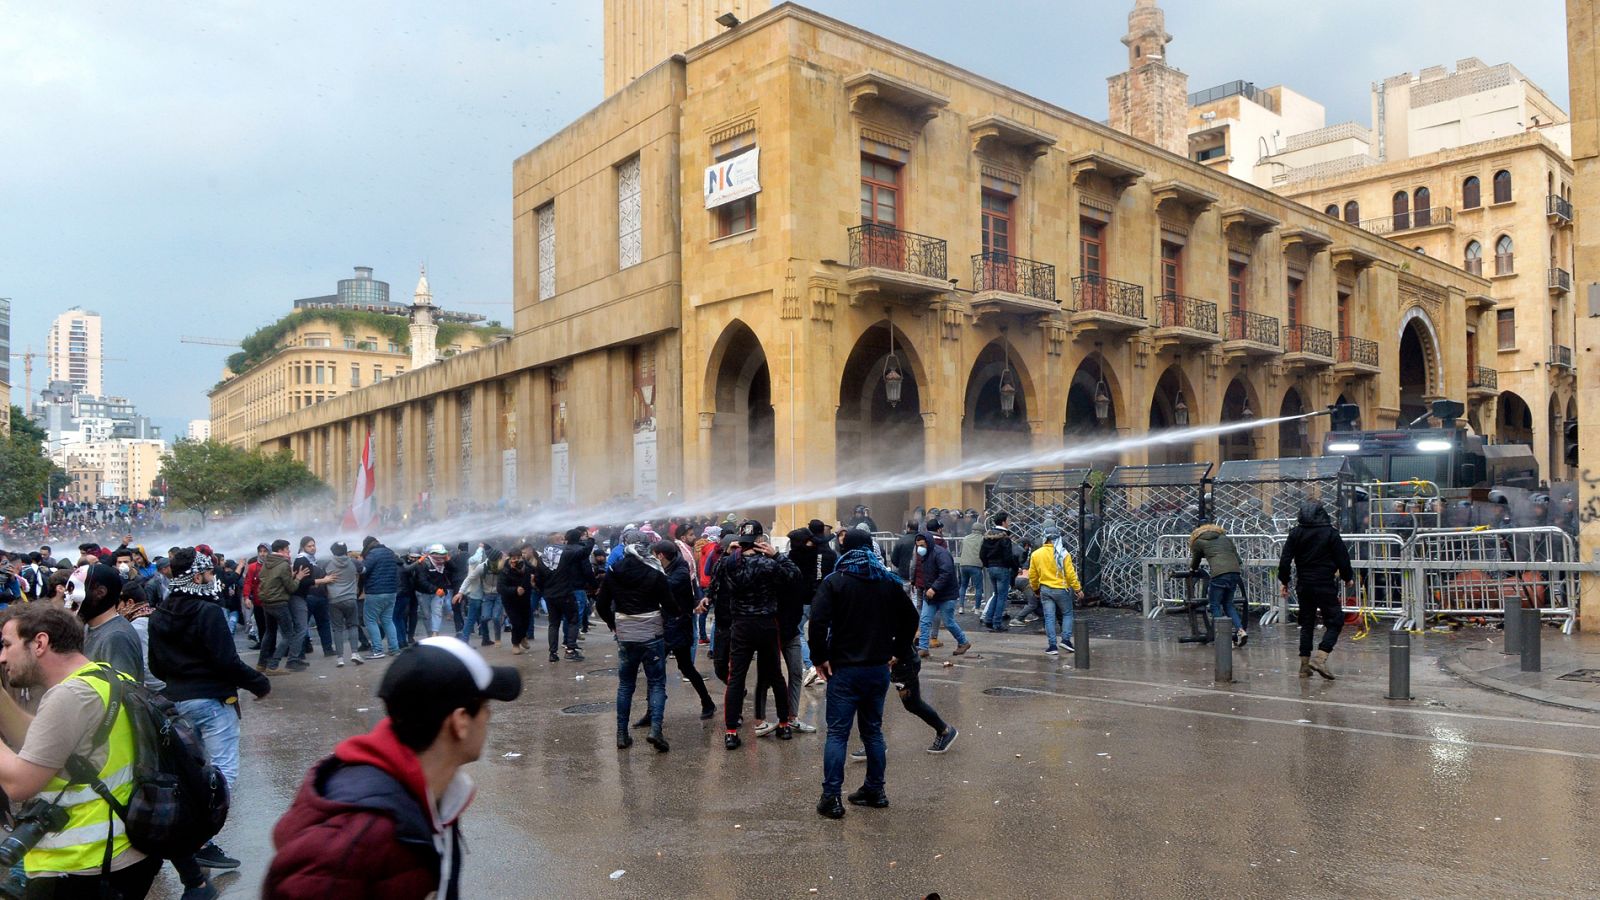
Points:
(74, 349)
(199, 430)
(128, 467)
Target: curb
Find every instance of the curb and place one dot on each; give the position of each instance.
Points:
(1456, 667)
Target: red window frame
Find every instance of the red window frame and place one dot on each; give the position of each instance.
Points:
(1171, 268)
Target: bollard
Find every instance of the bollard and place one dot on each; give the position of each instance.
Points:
(1224, 645)
(1080, 643)
(1513, 627)
(1399, 665)
(1528, 640)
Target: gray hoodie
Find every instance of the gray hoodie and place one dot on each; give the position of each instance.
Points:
(346, 574)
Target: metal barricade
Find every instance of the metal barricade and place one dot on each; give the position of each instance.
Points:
(1263, 496)
(1474, 573)
(1140, 505)
(1401, 506)
(1258, 552)
(1386, 580)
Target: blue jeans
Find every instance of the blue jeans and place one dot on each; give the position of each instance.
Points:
(932, 609)
(470, 620)
(700, 626)
(380, 622)
(969, 576)
(805, 645)
(855, 693)
(438, 611)
(1221, 596)
(218, 724)
(1056, 601)
(582, 599)
(493, 617)
(405, 620)
(994, 615)
(317, 608)
(653, 656)
(298, 613)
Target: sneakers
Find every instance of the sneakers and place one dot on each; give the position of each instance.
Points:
(1240, 638)
(858, 755)
(876, 799)
(1067, 647)
(340, 663)
(785, 733)
(554, 657)
(829, 807)
(765, 728)
(708, 710)
(376, 654)
(274, 670)
(810, 676)
(356, 658)
(942, 742)
(211, 857)
(731, 741)
(1051, 651)
(574, 654)
(803, 727)
(922, 653)
(205, 890)
(961, 649)
(517, 650)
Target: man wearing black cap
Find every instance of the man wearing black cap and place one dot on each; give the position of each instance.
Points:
(381, 817)
(748, 586)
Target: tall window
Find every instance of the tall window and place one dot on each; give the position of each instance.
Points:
(1352, 213)
(1295, 286)
(1171, 268)
(377, 374)
(1506, 323)
(1502, 186)
(1504, 261)
(996, 225)
(1402, 211)
(545, 219)
(1472, 357)
(1471, 193)
(630, 215)
(1238, 298)
(1422, 205)
(1091, 249)
(880, 192)
(740, 215)
(1473, 261)
(1344, 314)
(1332, 210)
(355, 375)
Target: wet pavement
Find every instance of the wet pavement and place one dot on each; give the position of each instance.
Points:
(1138, 777)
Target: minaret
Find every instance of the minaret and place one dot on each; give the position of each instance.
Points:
(424, 333)
(1150, 101)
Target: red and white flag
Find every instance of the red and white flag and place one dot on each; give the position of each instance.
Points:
(363, 512)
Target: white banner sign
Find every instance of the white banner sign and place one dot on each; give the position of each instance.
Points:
(560, 475)
(733, 179)
(508, 473)
(644, 463)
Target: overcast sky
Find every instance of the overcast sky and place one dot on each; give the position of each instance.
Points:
(191, 168)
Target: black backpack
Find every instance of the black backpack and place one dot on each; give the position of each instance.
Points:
(179, 800)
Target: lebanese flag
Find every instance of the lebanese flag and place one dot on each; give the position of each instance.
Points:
(363, 512)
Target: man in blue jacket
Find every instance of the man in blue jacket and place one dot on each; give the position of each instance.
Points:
(933, 576)
(381, 581)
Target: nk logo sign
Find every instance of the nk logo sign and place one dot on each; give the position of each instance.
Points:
(733, 179)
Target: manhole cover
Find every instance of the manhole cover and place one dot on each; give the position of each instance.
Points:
(1590, 675)
(610, 670)
(586, 709)
(1006, 692)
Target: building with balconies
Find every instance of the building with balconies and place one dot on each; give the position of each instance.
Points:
(796, 252)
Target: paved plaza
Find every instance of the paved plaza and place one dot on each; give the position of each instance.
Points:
(1138, 777)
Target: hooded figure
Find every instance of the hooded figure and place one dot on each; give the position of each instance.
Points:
(1316, 553)
(1212, 544)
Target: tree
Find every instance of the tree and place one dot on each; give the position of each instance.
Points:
(211, 477)
(25, 470)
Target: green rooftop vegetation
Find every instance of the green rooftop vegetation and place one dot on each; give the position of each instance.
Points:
(355, 323)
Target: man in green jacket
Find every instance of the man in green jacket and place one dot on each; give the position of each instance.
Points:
(284, 635)
(1211, 543)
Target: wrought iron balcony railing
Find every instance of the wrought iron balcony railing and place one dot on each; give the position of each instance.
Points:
(883, 247)
(1098, 293)
(1483, 377)
(1178, 311)
(1558, 207)
(1308, 339)
(1559, 279)
(1406, 221)
(1003, 272)
(1561, 356)
(1249, 326)
(1359, 351)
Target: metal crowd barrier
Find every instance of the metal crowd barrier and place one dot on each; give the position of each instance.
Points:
(1258, 552)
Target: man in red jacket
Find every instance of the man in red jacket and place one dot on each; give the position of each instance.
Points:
(381, 817)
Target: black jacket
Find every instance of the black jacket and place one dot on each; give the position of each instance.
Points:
(752, 583)
(681, 584)
(633, 587)
(192, 650)
(1316, 549)
(512, 578)
(905, 550)
(997, 550)
(812, 557)
(936, 571)
(572, 572)
(426, 581)
(380, 570)
(861, 622)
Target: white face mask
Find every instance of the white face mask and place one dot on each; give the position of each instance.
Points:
(922, 551)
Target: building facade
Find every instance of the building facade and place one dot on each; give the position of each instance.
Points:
(1501, 209)
(127, 467)
(317, 354)
(74, 350)
(1029, 277)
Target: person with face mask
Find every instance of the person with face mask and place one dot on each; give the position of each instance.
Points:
(110, 638)
(632, 599)
(933, 577)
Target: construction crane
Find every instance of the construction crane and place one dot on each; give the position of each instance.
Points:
(208, 341)
(29, 356)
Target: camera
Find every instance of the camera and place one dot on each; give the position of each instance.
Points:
(37, 818)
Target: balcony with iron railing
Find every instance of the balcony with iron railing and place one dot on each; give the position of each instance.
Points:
(1559, 209)
(1559, 280)
(1307, 346)
(1560, 357)
(1482, 381)
(1250, 334)
(892, 262)
(1184, 320)
(1415, 220)
(1005, 283)
(1357, 356)
(1106, 304)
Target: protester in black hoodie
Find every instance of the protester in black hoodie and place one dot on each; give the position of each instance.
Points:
(749, 585)
(633, 600)
(1317, 552)
(679, 624)
(570, 575)
(192, 650)
(516, 594)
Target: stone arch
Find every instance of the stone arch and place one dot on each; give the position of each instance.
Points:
(739, 392)
(1078, 418)
(1557, 441)
(871, 434)
(1514, 420)
(986, 429)
(1294, 438)
(1169, 385)
(1240, 403)
(1419, 367)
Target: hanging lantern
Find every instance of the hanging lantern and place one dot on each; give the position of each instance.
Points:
(1304, 427)
(893, 380)
(1180, 412)
(1102, 401)
(1247, 413)
(1008, 392)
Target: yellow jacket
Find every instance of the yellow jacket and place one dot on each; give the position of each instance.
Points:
(1042, 571)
